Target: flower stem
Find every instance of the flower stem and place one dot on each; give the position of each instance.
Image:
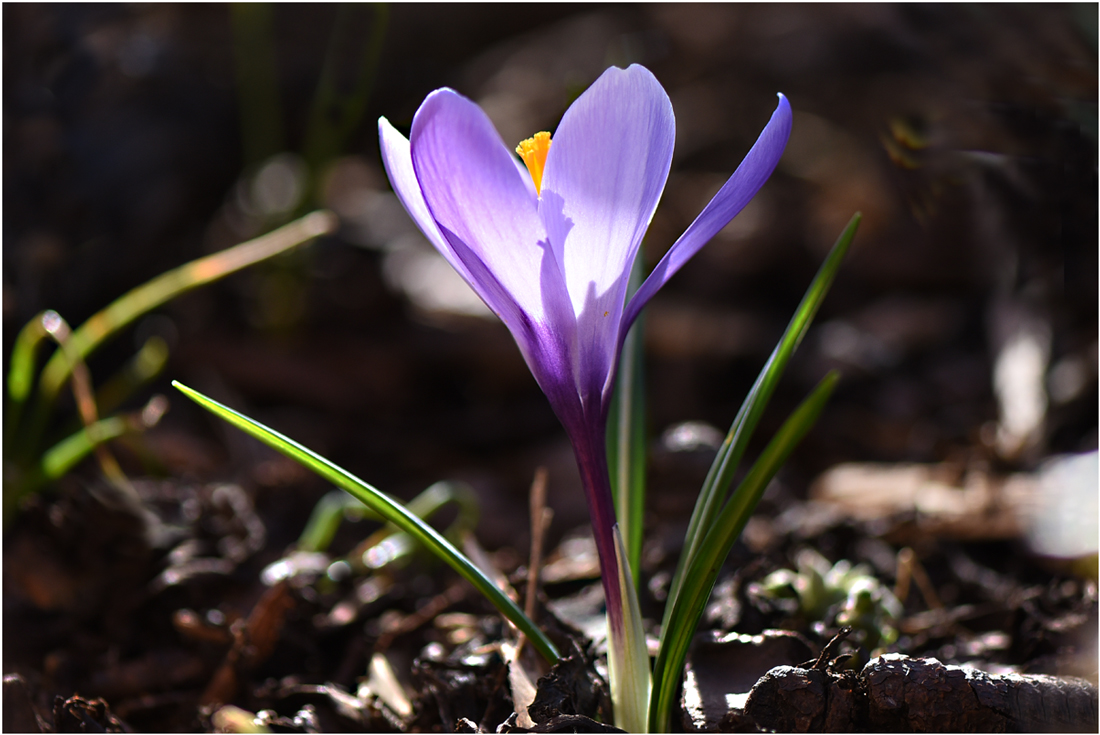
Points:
(592, 460)
(627, 657)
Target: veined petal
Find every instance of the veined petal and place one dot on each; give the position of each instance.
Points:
(477, 196)
(397, 158)
(483, 205)
(546, 347)
(398, 162)
(726, 204)
(604, 175)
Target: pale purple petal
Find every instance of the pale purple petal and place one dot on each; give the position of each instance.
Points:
(477, 196)
(398, 162)
(397, 158)
(546, 347)
(485, 209)
(731, 199)
(604, 175)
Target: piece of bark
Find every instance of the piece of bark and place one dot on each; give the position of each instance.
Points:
(720, 670)
(793, 699)
(571, 688)
(928, 696)
(895, 693)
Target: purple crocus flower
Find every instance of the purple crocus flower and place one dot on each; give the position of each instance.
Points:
(549, 248)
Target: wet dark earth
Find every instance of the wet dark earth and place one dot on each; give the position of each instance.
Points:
(943, 507)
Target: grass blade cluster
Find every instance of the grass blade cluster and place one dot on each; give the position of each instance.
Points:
(30, 461)
(386, 508)
(712, 508)
(700, 577)
(167, 286)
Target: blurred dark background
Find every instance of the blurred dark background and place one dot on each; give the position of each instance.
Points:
(138, 137)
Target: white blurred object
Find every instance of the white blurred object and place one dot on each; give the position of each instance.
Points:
(1066, 520)
(691, 436)
(1019, 382)
(430, 281)
(376, 220)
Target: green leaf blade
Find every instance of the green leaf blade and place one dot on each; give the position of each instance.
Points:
(627, 656)
(699, 579)
(65, 454)
(626, 437)
(744, 424)
(21, 371)
(386, 508)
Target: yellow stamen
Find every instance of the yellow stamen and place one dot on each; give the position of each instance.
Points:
(533, 152)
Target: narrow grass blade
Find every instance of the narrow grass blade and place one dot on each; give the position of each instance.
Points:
(439, 494)
(388, 509)
(58, 460)
(626, 436)
(58, 329)
(63, 456)
(729, 456)
(424, 506)
(167, 286)
(699, 578)
(22, 479)
(325, 520)
(138, 371)
(21, 372)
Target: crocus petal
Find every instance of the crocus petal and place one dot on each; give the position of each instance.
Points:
(398, 162)
(475, 194)
(604, 176)
(726, 204)
(484, 207)
(397, 158)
